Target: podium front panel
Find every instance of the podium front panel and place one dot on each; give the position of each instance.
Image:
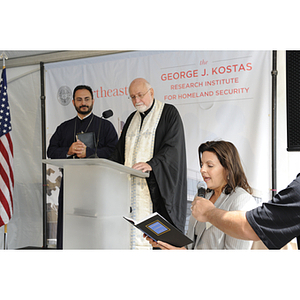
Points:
(95, 200)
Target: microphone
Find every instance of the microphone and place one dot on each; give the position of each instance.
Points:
(201, 186)
(106, 114)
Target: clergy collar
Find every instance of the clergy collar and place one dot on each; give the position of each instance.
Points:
(84, 117)
(145, 113)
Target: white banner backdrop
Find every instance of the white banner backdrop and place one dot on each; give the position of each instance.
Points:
(219, 94)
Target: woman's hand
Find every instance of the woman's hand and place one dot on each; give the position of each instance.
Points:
(162, 245)
(153, 243)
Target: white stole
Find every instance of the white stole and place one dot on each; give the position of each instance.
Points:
(139, 146)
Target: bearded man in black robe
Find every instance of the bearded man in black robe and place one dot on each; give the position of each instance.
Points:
(81, 137)
(153, 141)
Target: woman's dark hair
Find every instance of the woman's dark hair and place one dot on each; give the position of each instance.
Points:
(230, 160)
(83, 87)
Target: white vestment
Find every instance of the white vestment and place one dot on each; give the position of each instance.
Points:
(139, 146)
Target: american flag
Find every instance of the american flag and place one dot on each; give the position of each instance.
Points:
(6, 156)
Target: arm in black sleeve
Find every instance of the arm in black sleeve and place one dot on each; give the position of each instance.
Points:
(60, 143)
(169, 160)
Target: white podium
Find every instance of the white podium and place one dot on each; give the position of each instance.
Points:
(96, 197)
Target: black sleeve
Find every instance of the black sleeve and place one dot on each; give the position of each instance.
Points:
(169, 159)
(277, 222)
(168, 178)
(61, 141)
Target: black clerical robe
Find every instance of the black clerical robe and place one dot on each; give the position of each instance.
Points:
(168, 179)
(65, 136)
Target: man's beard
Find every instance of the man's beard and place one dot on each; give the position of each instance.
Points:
(84, 112)
(141, 108)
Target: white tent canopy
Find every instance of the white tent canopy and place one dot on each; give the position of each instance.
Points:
(26, 58)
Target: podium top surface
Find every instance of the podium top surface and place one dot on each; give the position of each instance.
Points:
(96, 162)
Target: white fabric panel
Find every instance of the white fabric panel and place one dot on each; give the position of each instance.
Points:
(25, 226)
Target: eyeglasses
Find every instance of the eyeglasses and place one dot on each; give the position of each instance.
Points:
(139, 95)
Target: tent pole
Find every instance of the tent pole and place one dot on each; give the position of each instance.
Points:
(274, 120)
(3, 56)
(5, 247)
(44, 179)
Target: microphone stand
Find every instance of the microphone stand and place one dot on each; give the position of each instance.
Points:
(106, 114)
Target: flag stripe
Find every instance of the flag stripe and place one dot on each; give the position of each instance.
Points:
(1, 220)
(5, 184)
(6, 156)
(5, 209)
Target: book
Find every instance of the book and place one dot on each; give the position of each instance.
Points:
(88, 138)
(159, 229)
